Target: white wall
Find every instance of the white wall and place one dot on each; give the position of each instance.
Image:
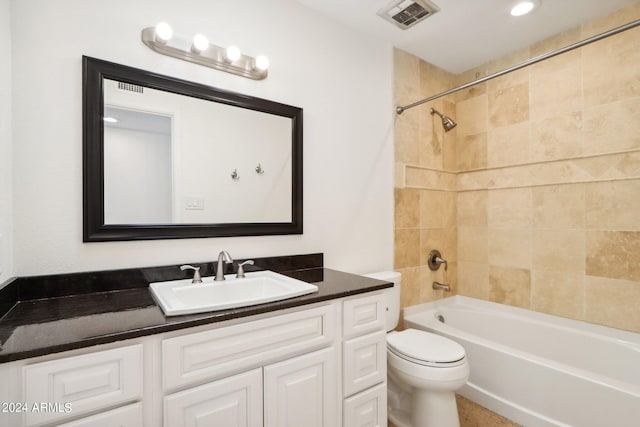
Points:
(341, 79)
(137, 170)
(6, 204)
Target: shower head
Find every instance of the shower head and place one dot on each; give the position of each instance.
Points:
(447, 122)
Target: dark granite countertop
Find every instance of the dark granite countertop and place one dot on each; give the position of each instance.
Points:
(39, 326)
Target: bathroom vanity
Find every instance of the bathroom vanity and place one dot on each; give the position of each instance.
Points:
(314, 360)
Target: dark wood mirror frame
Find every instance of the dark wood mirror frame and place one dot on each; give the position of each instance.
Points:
(94, 227)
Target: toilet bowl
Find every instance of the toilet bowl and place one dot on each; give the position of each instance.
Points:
(424, 370)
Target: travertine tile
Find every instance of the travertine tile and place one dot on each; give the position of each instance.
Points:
(557, 137)
(406, 143)
(407, 208)
(510, 286)
(559, 206)
(406, 68)
(613, 205)
(433, 79)
(509, 208)
(449, 209)
(612, 127)
(442, 239)
(615, 19)
(556, 93)
(508, 145)
(406, 248)
(560, 294)
(473, 244)
(508, 106)
(471, 152)
(472, 208)
(398, 175)
(565, 60)
(473, 279)
(471, 115)
(473, 415)
(411, 283)
(431, 208)
(510, 247)
(512, 78)
(613, 254)
(559, 250)
(429, 179)
(467, 77)
(430, 147)
(613, 303)
(608, 75)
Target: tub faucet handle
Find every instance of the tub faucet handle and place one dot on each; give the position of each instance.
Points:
(196, 272)
(435, 259)
(240, 273)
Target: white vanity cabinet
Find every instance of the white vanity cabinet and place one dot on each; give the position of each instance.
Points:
(284, 367)
(364, 361)
(321, 365)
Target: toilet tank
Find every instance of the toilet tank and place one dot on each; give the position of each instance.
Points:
(392, 295)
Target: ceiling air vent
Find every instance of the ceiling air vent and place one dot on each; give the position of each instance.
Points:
(130, 87)
(407, 13)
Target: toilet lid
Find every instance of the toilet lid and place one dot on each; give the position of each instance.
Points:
(425, 346)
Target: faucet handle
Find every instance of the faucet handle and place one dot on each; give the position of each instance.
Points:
(240, 272)
(435, 260)
(196, 272)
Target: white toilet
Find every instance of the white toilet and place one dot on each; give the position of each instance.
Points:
(423, 370)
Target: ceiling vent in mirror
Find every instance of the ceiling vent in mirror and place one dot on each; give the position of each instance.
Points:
(407, 13)
(130, 87)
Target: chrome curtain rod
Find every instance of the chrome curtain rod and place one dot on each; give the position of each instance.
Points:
(632, 24)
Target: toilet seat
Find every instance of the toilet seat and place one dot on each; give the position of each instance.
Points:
(425, 348)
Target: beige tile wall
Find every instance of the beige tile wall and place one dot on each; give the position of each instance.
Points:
(535, 197)
(425, 187)
(556, 203)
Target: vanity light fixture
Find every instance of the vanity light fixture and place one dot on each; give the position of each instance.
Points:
(198, 50)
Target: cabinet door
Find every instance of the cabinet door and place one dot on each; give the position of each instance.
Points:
(230, 402)
(302, 391)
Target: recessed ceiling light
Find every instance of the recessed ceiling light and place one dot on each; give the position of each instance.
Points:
(110, 120)
(524, 7)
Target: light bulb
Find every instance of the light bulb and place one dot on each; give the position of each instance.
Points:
(200, 43)
(522, 8)
(164, 32)
(232, 53)
(261, 63)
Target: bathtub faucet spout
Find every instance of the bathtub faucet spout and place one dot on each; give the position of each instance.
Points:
(441, 286)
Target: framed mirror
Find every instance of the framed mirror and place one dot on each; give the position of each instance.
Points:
(166, 158)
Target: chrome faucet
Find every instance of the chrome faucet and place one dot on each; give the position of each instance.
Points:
(223, 258)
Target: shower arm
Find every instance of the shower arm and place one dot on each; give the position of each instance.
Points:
(632, 24)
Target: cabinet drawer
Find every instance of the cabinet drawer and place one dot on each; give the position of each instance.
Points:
(207, 355)
(232, 401)
(127, 416)
(364, 362)
(366, 409)
(87, 382)
(362, 315)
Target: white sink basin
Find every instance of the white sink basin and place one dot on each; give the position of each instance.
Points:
(183, 297)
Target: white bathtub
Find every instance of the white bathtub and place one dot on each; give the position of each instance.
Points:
(537, 369)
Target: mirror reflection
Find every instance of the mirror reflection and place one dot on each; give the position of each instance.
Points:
(170, 159)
